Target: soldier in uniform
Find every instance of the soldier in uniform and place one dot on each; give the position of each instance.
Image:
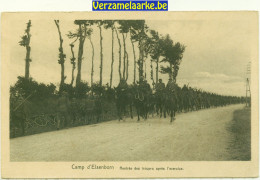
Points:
(185, 88)
(63, 107)
(160, 97)
(170, 86)
(122, 86)
(74, 109)
(172, 91)
(145, 87)
(144, 97)
(18, 112)
(121, 97)
(160, 86)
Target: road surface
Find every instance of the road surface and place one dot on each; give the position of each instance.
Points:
(193, 136)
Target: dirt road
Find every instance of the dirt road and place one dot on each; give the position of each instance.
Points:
(193, 136)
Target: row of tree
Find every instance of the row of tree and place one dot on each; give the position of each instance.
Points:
(151, 45)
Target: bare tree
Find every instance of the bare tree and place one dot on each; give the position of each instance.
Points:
(100, 24)
(120, 54)
(133, 47)
(92, 60)
(110, 24)
(82, 32)
(73, 62)
(26, 43)
(156, 50)
(62, 57)
(138, 31)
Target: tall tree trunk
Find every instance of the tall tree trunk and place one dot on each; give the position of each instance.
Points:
(124, 68)
(144, 69)
(176, 70)
(119, 51)
(62, 75)
(101, 55)
(92, 61)
(134, 59)
(61, 56)
(151, 65)
(171, 72)
(112, 63)
(141, 60)
(27, 62)
(80, 53)
(73, 65)
(127, 60)
(157, 70)
(127, 66)
(28, 51)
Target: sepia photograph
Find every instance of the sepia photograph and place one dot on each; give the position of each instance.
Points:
(179, 87)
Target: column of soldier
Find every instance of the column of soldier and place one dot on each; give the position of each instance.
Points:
(150, 100)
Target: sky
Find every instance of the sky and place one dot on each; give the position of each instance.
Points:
(217, 52)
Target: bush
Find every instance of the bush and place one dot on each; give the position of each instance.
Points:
(27, 87)
(69, 89)
(39, 97)
(97, 89)
(82, 89)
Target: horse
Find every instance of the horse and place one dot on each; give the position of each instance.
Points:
(180, 105)
(171, 104)
(151, 104)
(142, 102)
(186, 102)
(160, 103)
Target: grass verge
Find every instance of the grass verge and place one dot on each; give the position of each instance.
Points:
(240, 129)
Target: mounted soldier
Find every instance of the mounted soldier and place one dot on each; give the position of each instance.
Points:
(144, 87)
(142, 94)
(192, 98)
(160, 97)
(171, 86)
(186, 98)
(123, 98)
(171, 89)
(171, 102)
(160, 86)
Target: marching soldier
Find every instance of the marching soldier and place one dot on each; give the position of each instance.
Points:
(63, 107)
(18, 114)
(74, 108)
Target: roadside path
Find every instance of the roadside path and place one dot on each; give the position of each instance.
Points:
(193, 136)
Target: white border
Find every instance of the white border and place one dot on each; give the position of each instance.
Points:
(85, 5)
